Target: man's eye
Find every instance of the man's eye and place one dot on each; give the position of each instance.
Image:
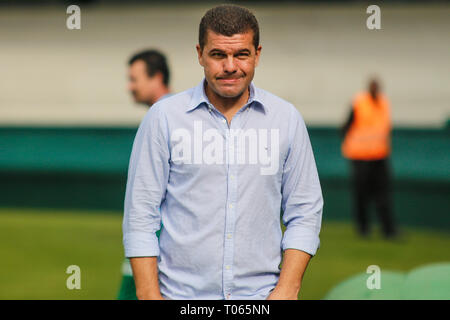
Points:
(217, 54)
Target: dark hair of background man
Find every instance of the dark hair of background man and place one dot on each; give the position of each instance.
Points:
(155, 61)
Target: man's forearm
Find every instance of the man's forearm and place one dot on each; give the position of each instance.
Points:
(145, 273)
(292, 270)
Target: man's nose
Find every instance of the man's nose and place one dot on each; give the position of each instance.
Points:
(230, 65)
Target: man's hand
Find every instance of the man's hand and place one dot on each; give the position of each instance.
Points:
(145, 273)
(148, 296)
(292, 270)
(280, 294)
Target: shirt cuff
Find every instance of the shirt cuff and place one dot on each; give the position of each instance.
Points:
(140, 244)
(301, 238)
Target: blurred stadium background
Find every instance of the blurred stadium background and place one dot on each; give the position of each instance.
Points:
(67, 125)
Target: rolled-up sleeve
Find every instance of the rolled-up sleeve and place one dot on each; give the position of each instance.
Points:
(302, 200)
(148, 174)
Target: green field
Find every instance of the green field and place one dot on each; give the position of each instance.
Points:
(37, 246)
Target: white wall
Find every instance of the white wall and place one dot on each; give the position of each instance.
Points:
(317, 57)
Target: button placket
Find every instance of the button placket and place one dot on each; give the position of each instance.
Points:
(230, 211)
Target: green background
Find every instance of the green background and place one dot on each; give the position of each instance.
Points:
(61, 202)
(86, 168)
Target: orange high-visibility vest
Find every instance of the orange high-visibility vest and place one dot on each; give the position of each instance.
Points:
(368, 137)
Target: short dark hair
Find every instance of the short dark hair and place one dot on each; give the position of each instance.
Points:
(155, 61)
(228, 20)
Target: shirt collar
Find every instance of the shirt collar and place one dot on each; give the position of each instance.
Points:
(199, 97)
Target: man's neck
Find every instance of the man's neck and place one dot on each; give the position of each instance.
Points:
(161, 93)
(227, 106)
(374, 97)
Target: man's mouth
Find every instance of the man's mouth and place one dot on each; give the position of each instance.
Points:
(229, 80)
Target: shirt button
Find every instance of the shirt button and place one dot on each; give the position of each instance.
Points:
(231, 206)
(229, 236)
(227, 267)
(232, 177)
(224, 121)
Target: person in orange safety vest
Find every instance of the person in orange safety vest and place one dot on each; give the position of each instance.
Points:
(367, 144)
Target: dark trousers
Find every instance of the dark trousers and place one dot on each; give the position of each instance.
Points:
(372, 181)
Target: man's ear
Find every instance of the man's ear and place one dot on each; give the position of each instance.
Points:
(257, 54)
(159, 76)
(200, 54)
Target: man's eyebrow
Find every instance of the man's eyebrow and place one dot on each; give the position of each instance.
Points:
(214, 50)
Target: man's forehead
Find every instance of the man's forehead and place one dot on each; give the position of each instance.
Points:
(238, 41)
(138, 67)
(138, 64)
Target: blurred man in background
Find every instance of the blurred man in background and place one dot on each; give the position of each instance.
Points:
(367, 145)
(148, 82)
(148, 77)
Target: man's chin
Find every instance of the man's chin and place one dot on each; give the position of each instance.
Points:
(137, 100)
(230, 92)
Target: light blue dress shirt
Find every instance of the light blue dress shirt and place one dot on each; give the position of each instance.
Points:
(220, 187)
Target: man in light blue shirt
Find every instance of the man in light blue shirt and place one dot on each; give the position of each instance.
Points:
(219, 161)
